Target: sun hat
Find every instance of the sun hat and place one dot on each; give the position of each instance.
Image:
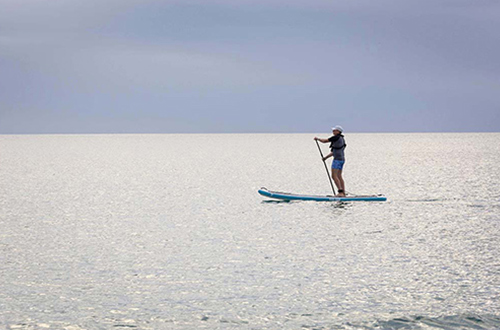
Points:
(338, 128)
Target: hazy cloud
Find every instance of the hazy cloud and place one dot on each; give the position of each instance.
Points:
(248, 65)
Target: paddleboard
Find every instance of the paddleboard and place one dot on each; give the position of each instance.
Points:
(320, 198)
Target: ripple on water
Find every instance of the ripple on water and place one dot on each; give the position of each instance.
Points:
(132, 231)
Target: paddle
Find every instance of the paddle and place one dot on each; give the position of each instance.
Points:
(326, 168)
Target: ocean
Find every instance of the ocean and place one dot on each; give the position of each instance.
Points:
(167, 231)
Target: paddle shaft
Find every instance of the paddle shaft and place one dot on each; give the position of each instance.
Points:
(326, 168)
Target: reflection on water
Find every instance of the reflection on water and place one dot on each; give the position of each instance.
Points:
(275, 201)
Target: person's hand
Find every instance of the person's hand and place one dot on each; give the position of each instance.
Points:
(316, 139)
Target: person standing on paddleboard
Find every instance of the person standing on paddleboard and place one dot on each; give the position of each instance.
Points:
(337, 146)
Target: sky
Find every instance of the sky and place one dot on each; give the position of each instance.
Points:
(249, 66)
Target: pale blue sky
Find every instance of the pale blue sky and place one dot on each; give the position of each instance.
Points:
(151, 66)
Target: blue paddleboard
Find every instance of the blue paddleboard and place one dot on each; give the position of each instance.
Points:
(320, 198)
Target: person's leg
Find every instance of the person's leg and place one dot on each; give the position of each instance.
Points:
(339, 181)
(337, 166)
(335, 178)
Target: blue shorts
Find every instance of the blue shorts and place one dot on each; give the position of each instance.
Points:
(338, 164)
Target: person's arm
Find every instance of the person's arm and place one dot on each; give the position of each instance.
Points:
(328, 156)
(321, 140)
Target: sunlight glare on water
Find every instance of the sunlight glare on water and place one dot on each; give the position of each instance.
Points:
(168, 232)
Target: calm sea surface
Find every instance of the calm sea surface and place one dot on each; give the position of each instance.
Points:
(168, 232)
